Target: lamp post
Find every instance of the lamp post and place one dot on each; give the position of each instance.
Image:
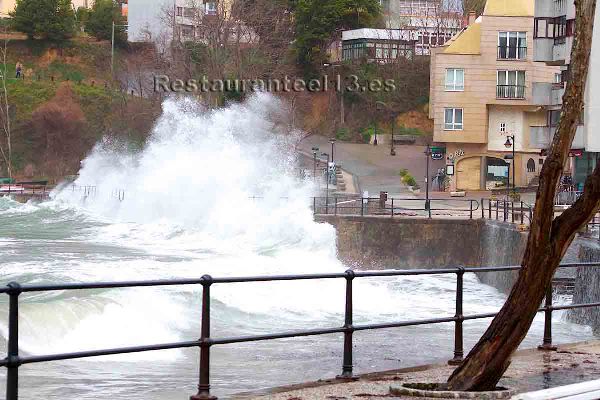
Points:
(427, 201)
(315, 150)
(332, 141)
(327, 181)
(510, 142)
(392, 148)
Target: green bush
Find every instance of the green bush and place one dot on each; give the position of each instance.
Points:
(367, 133)
(403, 172)
(342, 134)
(44, 19)
(402, 130)
(410, 181)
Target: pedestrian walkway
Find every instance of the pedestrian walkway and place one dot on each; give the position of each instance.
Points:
(373, 166)
(530, 370)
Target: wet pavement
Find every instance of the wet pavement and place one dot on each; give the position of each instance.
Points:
(530, 370)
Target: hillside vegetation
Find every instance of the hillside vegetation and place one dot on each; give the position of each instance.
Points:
(64, 104)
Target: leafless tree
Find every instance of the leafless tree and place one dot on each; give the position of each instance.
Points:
(549, 237)
(6, 143)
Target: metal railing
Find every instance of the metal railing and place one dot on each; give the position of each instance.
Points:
(393, 207)
(23, 189)
(507, 211)
(512, 52)
(566, 197)
(510, 92)
(14, 290)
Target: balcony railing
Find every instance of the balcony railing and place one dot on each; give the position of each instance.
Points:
(510, 92)
(512, 52)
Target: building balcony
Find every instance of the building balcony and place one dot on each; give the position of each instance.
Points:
(547, 94)
(543, 50)
(559, 51)
(541, 137)
(510, 92)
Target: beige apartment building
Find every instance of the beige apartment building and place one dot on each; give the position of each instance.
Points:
(482, 98)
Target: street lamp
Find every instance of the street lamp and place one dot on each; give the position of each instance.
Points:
(315, 150)
(510, 142)
(427, 201)
(327, 181)
(392, 148)
(332, 141)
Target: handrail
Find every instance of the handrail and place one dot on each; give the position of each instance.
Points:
(387, 206)
(14, 360)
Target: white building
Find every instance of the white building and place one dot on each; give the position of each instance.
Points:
(378, 45)
(434, 22)
(553, 40)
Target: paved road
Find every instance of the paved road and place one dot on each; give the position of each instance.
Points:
(374, 167)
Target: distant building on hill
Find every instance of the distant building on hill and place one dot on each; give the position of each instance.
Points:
(418, 24)
(6, 6)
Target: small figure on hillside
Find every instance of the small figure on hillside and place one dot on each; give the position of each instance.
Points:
(19, 69)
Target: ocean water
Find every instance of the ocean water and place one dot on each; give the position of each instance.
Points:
(213, 192)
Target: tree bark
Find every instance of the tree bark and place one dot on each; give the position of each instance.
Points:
(549, 238)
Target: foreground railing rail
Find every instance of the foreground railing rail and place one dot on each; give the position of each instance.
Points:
(14, 290)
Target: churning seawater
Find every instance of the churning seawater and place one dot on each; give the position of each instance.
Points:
(213, 192)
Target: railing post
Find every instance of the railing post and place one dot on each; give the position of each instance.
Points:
(327, 204)
(497, 205)
(482, 208)
(314, 206)
(204, 382)
(428, 209)
(513, 212)
(336, 205)
(12, 376)
(547, 343)
(458, 323)
(490, 208)
(505, 215)
(392, 208)
(362, 206)
(522, 214)
(471, 209)
(349, 330)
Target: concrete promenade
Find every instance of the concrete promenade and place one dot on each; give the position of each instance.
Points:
(531, 370)
(373, 166)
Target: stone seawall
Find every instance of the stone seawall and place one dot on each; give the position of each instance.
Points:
(404, 243)
(587, 288)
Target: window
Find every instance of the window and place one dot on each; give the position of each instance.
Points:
(558, 77)
(179, 11)
(530, 165)
(453, 119)
(543, 28)
(560, 29)
(188, 12)
(211, 8)
(455, 79)
(511, 85)
(502, 127)
(512, 45)
(553, 117)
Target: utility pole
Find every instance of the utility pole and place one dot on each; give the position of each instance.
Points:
(427, 201)
(112, 51)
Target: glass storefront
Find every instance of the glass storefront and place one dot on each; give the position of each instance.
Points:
(496, 173)
(584, 166)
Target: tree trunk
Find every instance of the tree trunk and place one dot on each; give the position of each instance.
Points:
(549, 238)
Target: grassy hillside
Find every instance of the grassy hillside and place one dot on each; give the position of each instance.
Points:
(65, 104)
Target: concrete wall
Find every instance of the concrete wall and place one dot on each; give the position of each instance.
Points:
(383, 242)
(587, 288)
